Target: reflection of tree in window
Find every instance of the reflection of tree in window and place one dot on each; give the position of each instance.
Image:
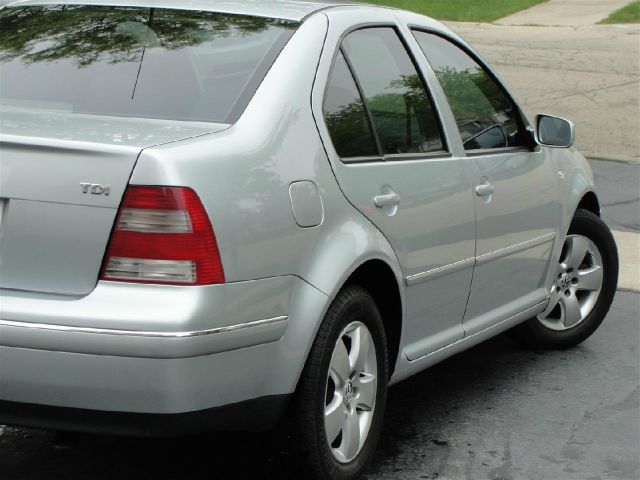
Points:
(423, 130)
(405, 119)
(345, 115)
(349, 129)
(479, 104)
(402, 113)
(91, 34)
(476, 101)
(134, 61)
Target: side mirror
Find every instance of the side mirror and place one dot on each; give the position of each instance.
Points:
(554, 131)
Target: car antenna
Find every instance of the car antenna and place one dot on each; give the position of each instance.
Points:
(144, 48)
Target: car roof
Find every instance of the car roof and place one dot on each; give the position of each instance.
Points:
(286, 9)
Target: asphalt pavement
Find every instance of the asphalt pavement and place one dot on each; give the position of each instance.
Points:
(500, 412)
(618, 186)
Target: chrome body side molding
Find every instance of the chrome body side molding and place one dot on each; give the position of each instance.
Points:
(519, 247)
(485, 258)
(439, 272)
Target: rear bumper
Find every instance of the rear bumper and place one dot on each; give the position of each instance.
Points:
(251, 415)
(162, 359)
(149, 321)
(153, 386)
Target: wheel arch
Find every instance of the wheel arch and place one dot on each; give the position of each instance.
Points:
(578, 193)
(377, 277)
(352, 250)
(590, 202)
(578, 188)
(357, 252)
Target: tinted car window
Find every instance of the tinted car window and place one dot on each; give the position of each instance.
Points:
(402, 112)
(486, 116)
(345, 115)
(136, 62)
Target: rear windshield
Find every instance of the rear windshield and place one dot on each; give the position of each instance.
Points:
(136, 62)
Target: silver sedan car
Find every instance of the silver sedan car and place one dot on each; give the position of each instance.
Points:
(216, 215)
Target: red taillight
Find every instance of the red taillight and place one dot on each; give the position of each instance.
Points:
(162, 235)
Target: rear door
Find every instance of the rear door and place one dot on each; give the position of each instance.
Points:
(514, 187)
(391, 159)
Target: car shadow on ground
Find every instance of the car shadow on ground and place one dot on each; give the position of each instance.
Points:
(419, 409)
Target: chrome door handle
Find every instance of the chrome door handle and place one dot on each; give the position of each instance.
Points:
(485, 189)
(386, 200)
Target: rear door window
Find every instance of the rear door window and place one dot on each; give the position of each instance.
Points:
(345, 114)
(136, 62)
(403, 114)
(486, 116)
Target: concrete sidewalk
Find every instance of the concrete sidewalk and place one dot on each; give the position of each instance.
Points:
(629, 252)
(590, 75)
(568, 13)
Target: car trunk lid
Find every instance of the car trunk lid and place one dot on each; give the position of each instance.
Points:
(62, 177)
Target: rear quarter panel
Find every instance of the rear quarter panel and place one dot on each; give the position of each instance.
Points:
(243, 175)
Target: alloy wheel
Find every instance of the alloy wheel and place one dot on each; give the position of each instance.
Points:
(350, 397)
(577, 284)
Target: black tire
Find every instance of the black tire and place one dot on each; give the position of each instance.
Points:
(306, 415)
(534, 334)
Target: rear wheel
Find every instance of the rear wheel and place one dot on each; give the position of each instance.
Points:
(339, 407)
(583, 289)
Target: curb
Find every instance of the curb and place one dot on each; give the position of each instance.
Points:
(629, 255)
(627, 290)
(613, 158)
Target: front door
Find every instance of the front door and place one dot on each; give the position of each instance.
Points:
(515, 191)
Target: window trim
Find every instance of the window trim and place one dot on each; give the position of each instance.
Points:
(367, 110)
(398, 157)
(366, 159)
(405, 157)
(480, 152)
(522, 120)
(382, 157)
